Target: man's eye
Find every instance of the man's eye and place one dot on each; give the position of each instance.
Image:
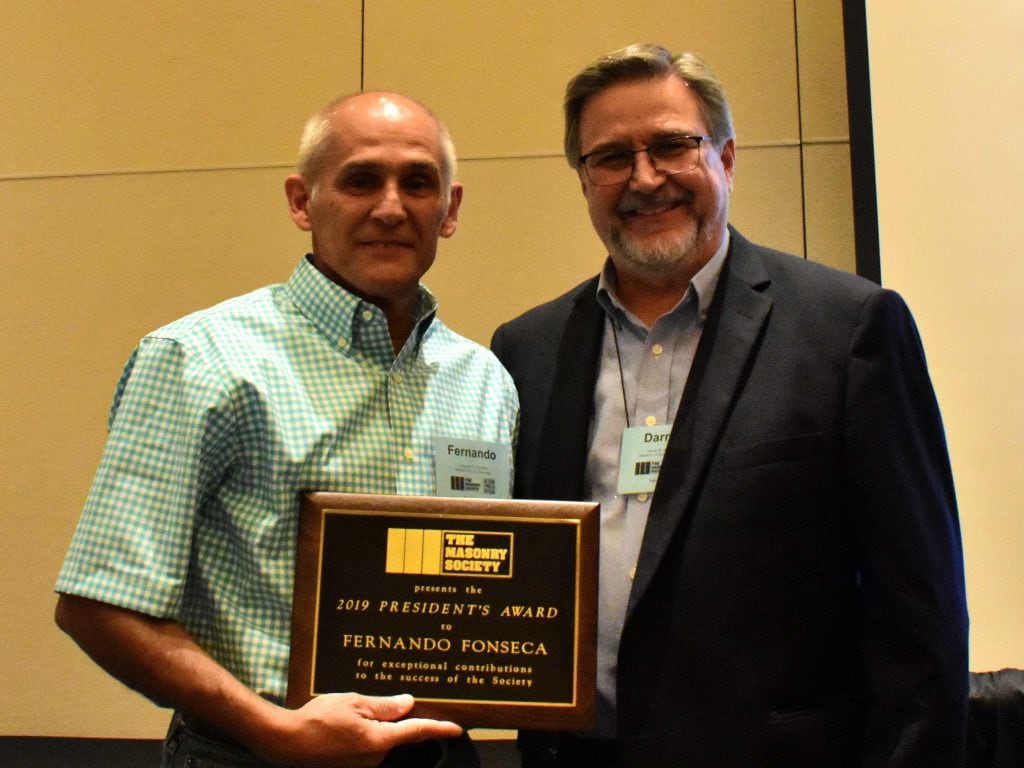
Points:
(673, 147)
(611, 159)
(360, 182)
(419, 183)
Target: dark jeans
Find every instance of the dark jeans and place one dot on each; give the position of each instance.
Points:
(563, 750)
(187, 747)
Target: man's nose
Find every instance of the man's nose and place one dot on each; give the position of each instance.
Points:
(390, 209)
(645, 176)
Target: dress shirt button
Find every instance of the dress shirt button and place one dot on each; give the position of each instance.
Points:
(657, 349)
(408, 454)
(367, 315)
(396, 378)
(642, 497)
(343, 342)
(650, 421)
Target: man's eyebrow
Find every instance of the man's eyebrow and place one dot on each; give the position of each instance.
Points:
(357, 166)
(421, 166)
(614, 145)
(375, 165)
(611, 145)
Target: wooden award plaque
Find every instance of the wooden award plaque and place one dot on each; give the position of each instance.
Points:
(484, 610)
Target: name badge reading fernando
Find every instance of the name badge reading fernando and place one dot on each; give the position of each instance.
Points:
(472, 468)
(643, 449)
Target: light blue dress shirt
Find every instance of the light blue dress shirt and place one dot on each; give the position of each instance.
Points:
(642, 375)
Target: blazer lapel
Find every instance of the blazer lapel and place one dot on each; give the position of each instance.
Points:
(562, 456)
(739, 312)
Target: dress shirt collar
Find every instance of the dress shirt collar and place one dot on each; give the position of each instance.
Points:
(340, 315)
(703, 284)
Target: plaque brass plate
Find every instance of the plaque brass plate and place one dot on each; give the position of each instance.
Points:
(484, 610)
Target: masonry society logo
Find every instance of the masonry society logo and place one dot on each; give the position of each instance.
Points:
(449, 553)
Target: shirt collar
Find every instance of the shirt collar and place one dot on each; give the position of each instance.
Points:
(338, 313)
(703, 285)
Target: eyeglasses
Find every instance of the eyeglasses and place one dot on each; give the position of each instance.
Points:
(678, 154)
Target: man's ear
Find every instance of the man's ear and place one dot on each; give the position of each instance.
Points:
(451, 218)
(298, 193)
(728, 155)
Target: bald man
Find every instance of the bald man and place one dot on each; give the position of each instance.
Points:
(178, 581)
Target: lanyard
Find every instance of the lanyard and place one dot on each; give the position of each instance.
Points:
(622, 378)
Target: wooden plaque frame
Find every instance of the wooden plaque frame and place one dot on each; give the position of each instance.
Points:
(484, 610)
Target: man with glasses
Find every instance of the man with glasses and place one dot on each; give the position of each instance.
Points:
(781, 575)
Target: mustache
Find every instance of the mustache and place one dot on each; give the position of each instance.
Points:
(636, 202)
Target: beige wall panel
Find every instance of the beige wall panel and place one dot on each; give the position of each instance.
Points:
(829, 206)
(524, 237)
(81, 283)
(100, 85)
(822, 69)
(766, 202)
(496, 71)
(951, 234)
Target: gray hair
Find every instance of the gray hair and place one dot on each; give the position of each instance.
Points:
(643, 62)
(318, 141)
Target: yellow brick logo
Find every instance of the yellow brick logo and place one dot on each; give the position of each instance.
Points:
(449, 553)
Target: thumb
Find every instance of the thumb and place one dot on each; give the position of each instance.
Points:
(388, 708)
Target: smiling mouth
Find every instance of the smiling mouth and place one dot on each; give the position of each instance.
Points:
(386, 244)
(651, 210)
(638, 206)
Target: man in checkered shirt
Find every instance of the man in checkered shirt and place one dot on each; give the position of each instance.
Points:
(179, 578)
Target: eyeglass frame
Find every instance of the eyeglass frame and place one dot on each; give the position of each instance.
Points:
(634, 152)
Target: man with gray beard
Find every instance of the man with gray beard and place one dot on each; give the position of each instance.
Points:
(781, 573)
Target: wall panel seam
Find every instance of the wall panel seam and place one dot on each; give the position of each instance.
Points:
(45, 176)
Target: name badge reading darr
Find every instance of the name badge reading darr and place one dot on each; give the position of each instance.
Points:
(643, 449)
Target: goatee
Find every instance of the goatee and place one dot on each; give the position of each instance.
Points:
(670, 247)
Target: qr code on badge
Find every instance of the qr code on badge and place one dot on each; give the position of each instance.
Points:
(489, 485)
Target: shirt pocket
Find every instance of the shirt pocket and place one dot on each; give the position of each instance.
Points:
(775, 451)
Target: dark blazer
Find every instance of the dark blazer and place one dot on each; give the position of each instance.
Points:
(799, 597)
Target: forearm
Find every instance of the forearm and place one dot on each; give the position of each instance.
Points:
(160, 659)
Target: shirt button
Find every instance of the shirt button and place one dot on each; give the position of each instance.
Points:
(650, 421)
(396, 378)
(343, 342)
(632, 573)
(642, 497)
(367, 315)
(657, 349)
(408, 454)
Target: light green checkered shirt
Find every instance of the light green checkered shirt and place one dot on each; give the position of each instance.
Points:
(221, 419)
